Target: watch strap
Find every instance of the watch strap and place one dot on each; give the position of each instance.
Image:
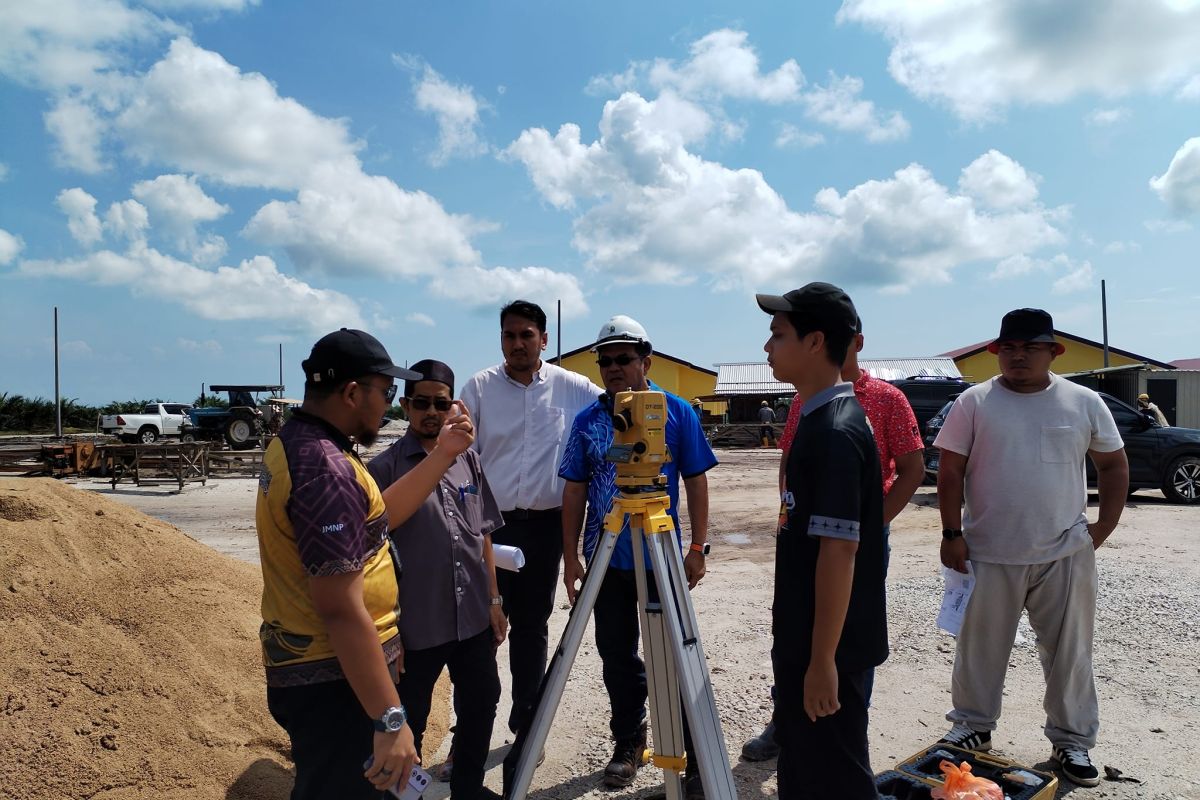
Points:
(951, 533)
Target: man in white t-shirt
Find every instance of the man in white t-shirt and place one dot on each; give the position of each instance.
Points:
(1015, 447)
(522, 410)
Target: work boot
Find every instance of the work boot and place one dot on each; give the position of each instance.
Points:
(763, 746)
(627, 757)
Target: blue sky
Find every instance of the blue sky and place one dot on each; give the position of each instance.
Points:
(196, 182)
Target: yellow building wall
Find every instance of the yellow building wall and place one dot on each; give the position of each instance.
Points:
(1078, 357)
(684, 381)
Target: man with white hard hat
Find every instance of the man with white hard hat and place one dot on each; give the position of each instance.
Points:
(624, 353)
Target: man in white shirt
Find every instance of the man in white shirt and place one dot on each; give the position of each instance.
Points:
(522, 410)
(1014, 448)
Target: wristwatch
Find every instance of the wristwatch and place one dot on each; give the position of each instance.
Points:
(951, 533)
(498, 600)
(702, 549)
(392, 720)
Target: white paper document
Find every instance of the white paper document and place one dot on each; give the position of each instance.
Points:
(508, 557)
(954, 598)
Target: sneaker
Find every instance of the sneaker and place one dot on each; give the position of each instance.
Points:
(1076, 765)
(763, 746)
(627, 757)
(967, 738)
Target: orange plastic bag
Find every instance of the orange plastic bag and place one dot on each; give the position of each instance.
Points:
(962, 785)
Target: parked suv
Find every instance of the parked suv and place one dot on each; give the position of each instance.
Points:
(928, 394)
(1159, 458)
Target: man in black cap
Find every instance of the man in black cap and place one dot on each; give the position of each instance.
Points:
(453, 615)
(1014, 448)
(329, 634)
(828, 618)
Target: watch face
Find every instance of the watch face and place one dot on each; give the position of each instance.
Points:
(393, 720)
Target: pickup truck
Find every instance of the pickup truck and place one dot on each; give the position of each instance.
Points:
(156, 421)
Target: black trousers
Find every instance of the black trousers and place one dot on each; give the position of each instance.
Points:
(472, 665)
(528, 602)
(827, 758)
(617, 635)
(332, 737)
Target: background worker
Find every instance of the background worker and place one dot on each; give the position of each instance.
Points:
(448, 592)
(1151, 410)
(522, 410)
(1014, 448)
(329, 633)
(624, 354)
(902, 464)
(828, 618)
(766, 426)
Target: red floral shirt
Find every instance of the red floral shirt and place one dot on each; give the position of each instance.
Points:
(891, 417)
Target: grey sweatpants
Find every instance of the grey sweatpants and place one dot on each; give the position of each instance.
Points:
(1061, 599)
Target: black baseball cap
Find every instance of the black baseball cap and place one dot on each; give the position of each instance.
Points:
(1027, 325)
(429, 370)
(825, 304)
(347, 354)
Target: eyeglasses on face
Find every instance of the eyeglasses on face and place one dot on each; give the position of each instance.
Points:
(389, 392)
(623, 360)
(423, 403)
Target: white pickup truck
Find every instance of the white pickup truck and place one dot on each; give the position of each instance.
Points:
(156, 421)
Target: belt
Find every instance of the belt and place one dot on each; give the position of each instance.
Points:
(532, 513)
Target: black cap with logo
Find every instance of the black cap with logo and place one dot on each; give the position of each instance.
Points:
(429, 370)
(347, 354)
(826, 305)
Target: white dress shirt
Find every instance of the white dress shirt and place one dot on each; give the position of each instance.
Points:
(520, 431)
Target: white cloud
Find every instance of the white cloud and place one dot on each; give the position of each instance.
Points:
(366, 224)
(1080, 278)
(198, 113)
(75, 348)
(77, 131)
(200, 5)
(1121, 247)
(1105, 117)
(651, 211)
(210, 251)
(456, 109)
(478, 287)
(417, 318)
(1167, 225)
(255, 289)
(981, 57)
(127, 219)
(839, 106)
(208, 347)
(82, 222)
(1190, 90)
(791, 136)
(10, 247)
(178, 205)
(722, 64)
(3, 172)
(997, 181)
(1179, 186)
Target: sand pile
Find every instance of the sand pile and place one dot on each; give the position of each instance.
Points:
(129, 663)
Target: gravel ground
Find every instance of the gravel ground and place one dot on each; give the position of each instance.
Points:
(1147, 643)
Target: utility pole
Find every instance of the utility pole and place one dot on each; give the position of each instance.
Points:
(57, 398)
(281, 365)
(1104, 318)
(558, 360)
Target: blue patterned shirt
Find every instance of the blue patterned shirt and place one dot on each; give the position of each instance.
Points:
(584, 461)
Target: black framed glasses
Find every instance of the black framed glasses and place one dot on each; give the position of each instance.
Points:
(389, 392)
(423, 403)
(623, 360)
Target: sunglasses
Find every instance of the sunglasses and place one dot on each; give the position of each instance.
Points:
(389, 393)
(423, 403)
(623, 360)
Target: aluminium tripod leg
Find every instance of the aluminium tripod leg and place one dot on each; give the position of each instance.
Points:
(683, 640)
(532, 736)
(666, 721)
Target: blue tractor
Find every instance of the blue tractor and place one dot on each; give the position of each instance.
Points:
(242, 425)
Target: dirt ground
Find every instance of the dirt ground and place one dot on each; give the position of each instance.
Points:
(1147, 642)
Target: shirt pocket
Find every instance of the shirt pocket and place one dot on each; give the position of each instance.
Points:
(1060, 444)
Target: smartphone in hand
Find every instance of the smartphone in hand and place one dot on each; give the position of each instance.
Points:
(418, 780)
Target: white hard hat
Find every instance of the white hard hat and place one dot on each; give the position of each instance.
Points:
(621, 329)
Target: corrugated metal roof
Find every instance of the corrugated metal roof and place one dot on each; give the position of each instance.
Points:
(756, 378)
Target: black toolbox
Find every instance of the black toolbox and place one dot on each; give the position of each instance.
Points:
(915, 777)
